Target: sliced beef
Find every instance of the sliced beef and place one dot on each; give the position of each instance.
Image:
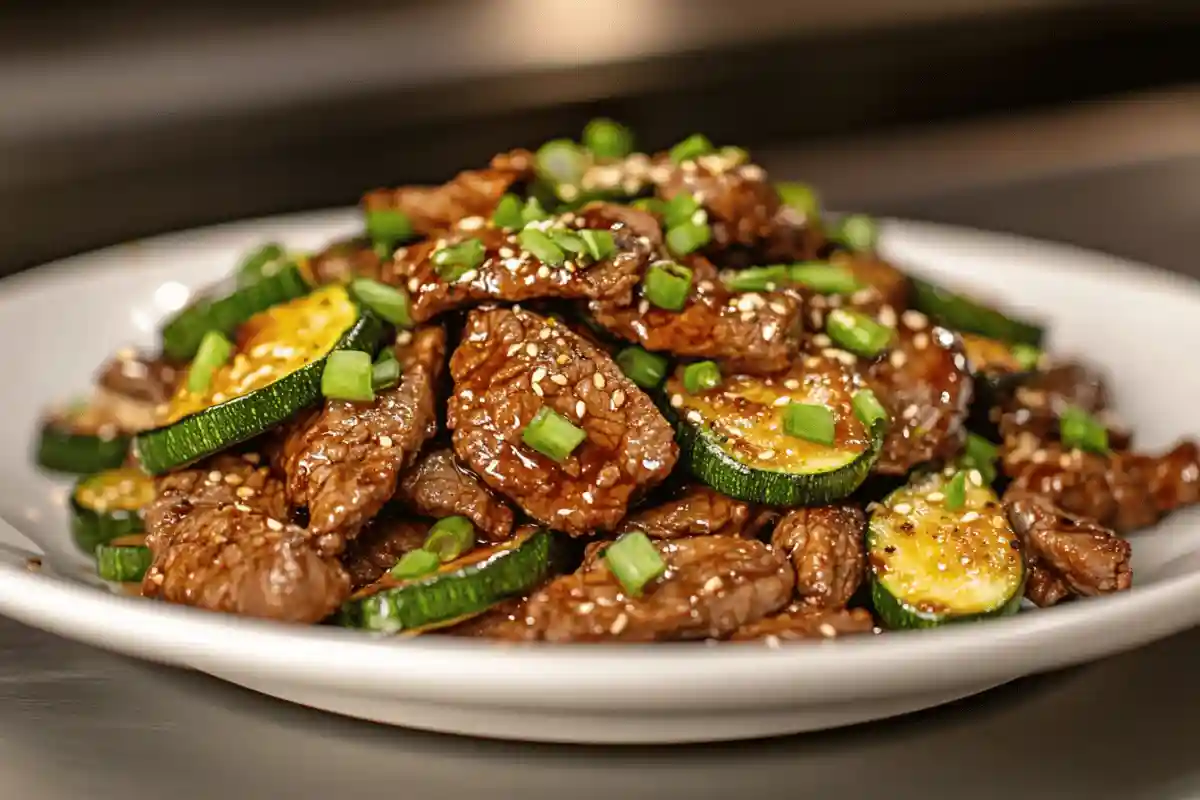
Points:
(1043, 586)
(472, 193)
(507, 621)
(1066, 551)
(883, 284)
(380, 545)
(1030, 415)
(221, 541)
(512, 363)
(696, 511)
(713, 586)
(343, 461)
(925, 384)
(802, 622)
(343, 260)
(438, 486)
(750, 331)
(740, 203)
(510, 272)
(825, 545)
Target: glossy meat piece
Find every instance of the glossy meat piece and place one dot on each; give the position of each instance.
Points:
(791, 240)
(509, 272)
(1043, 587)
(509, 365)
(1087, 558)
(741, 204)
(380, 545)
(471, 193)
(925, 384)
(344, 260)
(713, 586)
(507, 621)
(695, 511)
(437, 486)
(825, 545)
(343, 461)
(884, 284)
(221, 542)
(749, 332)
(1031, 412)
(803, 622)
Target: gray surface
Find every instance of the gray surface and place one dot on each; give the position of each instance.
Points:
(77, 722)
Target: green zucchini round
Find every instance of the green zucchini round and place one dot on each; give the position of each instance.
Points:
(215, 423)
(107, 505)
(63, 448)
(460, 589)
(966, 315)
(123, 560)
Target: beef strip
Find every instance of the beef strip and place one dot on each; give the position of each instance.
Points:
(510, 272)
(925, 384)
(802, 622)
(438, 486)
(511, 364)
(713, 586)
(696, 511)
(343, 260)
(750, 332)
(1029, 415)
(471, 193)
(380, 545)
(506, 621)
(343, 461)
(220, 541)
(1065, 551)
(825, 545)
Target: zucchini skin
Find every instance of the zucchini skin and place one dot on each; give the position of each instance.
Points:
(122, 563)
(234, 421)
(961, 313)
(61, 450)
(91, 528)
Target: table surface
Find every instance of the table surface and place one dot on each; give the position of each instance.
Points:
(79, 722)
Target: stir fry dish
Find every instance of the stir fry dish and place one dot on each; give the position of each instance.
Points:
(589, 394)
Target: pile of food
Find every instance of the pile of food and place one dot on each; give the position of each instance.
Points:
(592, 394)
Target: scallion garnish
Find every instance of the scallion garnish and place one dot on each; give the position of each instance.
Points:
(600, 243)
(552, 434)
(801, 197)
(644, 368)
(667, 285)
(415, 564)
(856, 232)
(955, 491)
(1027, 356)
(389, 302)
(388, 227)
(608, 139)
(679, 209)
(701, 376)
(809, 421)
(980, 454)
(568, 241)
(691, 148)
(1079, 429)
(347, 376)
(385, 372)
(856, 332)
(867, 408)
(634, 561)
(454, 261)
(651, 205)
(759, 279)
(508, 213)
(824, 278)
(259, 264)
(688, 237)
(214, 351)
(450, 537)
(561, 161)
(533, 211)
(542, 246)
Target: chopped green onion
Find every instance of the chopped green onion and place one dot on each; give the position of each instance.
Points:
(542, 246)
(858, 333)
(980, 454)
(1027, 356)
(552, 434)
(688, 237)
(667, 285)
(955, 491)
(607, 139)
(868, 408)
(824, 278)
(508, 213)
(454, 261)
(568, 241)
(415, 564)
(385, 372)
(651, 205)
(691, 148)
(533, 211)
(644, 368)
(347, 376)
(600, 243)
(389, 302)
(634, 561)
(759, 279)
(450, 537)
(801, 197)
(259, 264)
(808, 421)
(680, 209)
(561, 161)
(388, 227)
(1079, 429)
(214, 351)
(701, 376)
(856, 232)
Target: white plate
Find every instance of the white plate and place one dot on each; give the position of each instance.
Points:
(59, 322)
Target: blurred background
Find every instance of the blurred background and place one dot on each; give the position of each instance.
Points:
(123, 118)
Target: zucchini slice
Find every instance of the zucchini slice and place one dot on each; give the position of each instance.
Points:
(460, 589)
(967, 315)
(997, 369)
(274, 372)
(124, 559)
(272, 281)
(73, 442)
(109, 504)
(931, 565)
(733, 438)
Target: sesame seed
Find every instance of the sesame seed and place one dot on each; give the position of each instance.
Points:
(778, 307)
(404, 337)
(887, 316)
(970, 516)
(514, 349)
(538, 374)
(597, 380)
(506, 252)
(471, 223)
(792, 384)
(827, 630)
(676, 400)
(241, 506)
(714, 584)
(214, 476)
(1039, 456)
(935, 497)
(766, 455)
(545, 333)
(914, 319)
(251, 458)
(618, 399)
(274, 524)
(821, 340)
(768, 331)
(694, 417)
(902, 508)
(414, 283)
(898, 358)
(705, 286)
(909, 411)
(543, 272)
(619, 624)
(561, 380)
(531, 349)
(537, 389)
(975, 477)
(921, 341)
(588, 498)
(468, 276)
(245, 492)
(643, 306)
(1064, 460)
(747, 316)
(233, 479)
(580, 408)
(999, 521)
(385, 441)
(782, 400)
